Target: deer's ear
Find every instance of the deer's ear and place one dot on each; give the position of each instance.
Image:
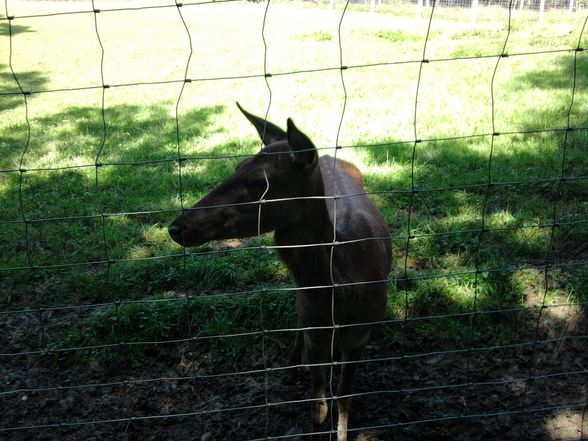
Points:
(268, 132)
(302, 147)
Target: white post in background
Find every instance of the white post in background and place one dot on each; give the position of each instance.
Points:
(521, 5)
(332, 4)
(373, 5)
(419, 11)
(541, 11)
(571, 8)
(475, 4)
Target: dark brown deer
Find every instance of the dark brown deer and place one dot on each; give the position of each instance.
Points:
(298, 189)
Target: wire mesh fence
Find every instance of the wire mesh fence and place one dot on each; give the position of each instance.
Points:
(474, 5)
(472, 140)
(532, 5)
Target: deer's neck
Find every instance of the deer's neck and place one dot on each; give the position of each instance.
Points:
(309, 221)
(313, 225)
(308, 265)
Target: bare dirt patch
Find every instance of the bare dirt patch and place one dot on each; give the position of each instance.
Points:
(526, 392)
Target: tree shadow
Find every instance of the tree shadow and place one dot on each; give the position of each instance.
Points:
(30, 80)
(487, 248)
(559, 75)
(474, 243)
(13, 30)
(137, 183)
(565, 75)
(456, 265)
(451, 190)
(13, 98)
(452, 265)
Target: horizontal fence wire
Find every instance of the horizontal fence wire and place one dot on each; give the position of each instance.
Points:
(402, 236)
(299, 72)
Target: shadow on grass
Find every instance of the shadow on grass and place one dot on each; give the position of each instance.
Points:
(450, 263)
(559, 75)
(30, 80)
(503, 232)
(138, 184)
(13, 30)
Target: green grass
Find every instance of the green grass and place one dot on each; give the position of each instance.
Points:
(396, 36)
(82, 215)
(197, 322)
(318, 36)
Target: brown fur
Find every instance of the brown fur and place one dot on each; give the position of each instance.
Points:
(290, 165)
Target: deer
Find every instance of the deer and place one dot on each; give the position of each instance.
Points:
(329, 234)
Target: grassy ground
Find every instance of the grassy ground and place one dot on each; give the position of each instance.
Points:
(137, 187)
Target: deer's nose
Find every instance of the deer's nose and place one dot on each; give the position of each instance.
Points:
(174, 230)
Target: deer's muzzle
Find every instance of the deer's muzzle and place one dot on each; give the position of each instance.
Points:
(184, 236)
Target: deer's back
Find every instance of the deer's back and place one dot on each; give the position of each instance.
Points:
(355, 216)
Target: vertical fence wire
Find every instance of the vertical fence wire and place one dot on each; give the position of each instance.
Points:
(413, 192)
(180, 157)
(334, 244)
(98, 166)
(413, 188)
(21, 177)
(186, 80)
(262, 249)
(584, 410)
(558, 193)
(489, 186)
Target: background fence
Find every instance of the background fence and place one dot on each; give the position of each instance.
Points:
(518, 5)
(539, 5)
(472, 139)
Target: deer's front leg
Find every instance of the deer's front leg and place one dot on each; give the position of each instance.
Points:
(319, 406)
(318, 357)
(344, 389)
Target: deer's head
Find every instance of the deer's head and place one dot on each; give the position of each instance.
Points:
(284, 170)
